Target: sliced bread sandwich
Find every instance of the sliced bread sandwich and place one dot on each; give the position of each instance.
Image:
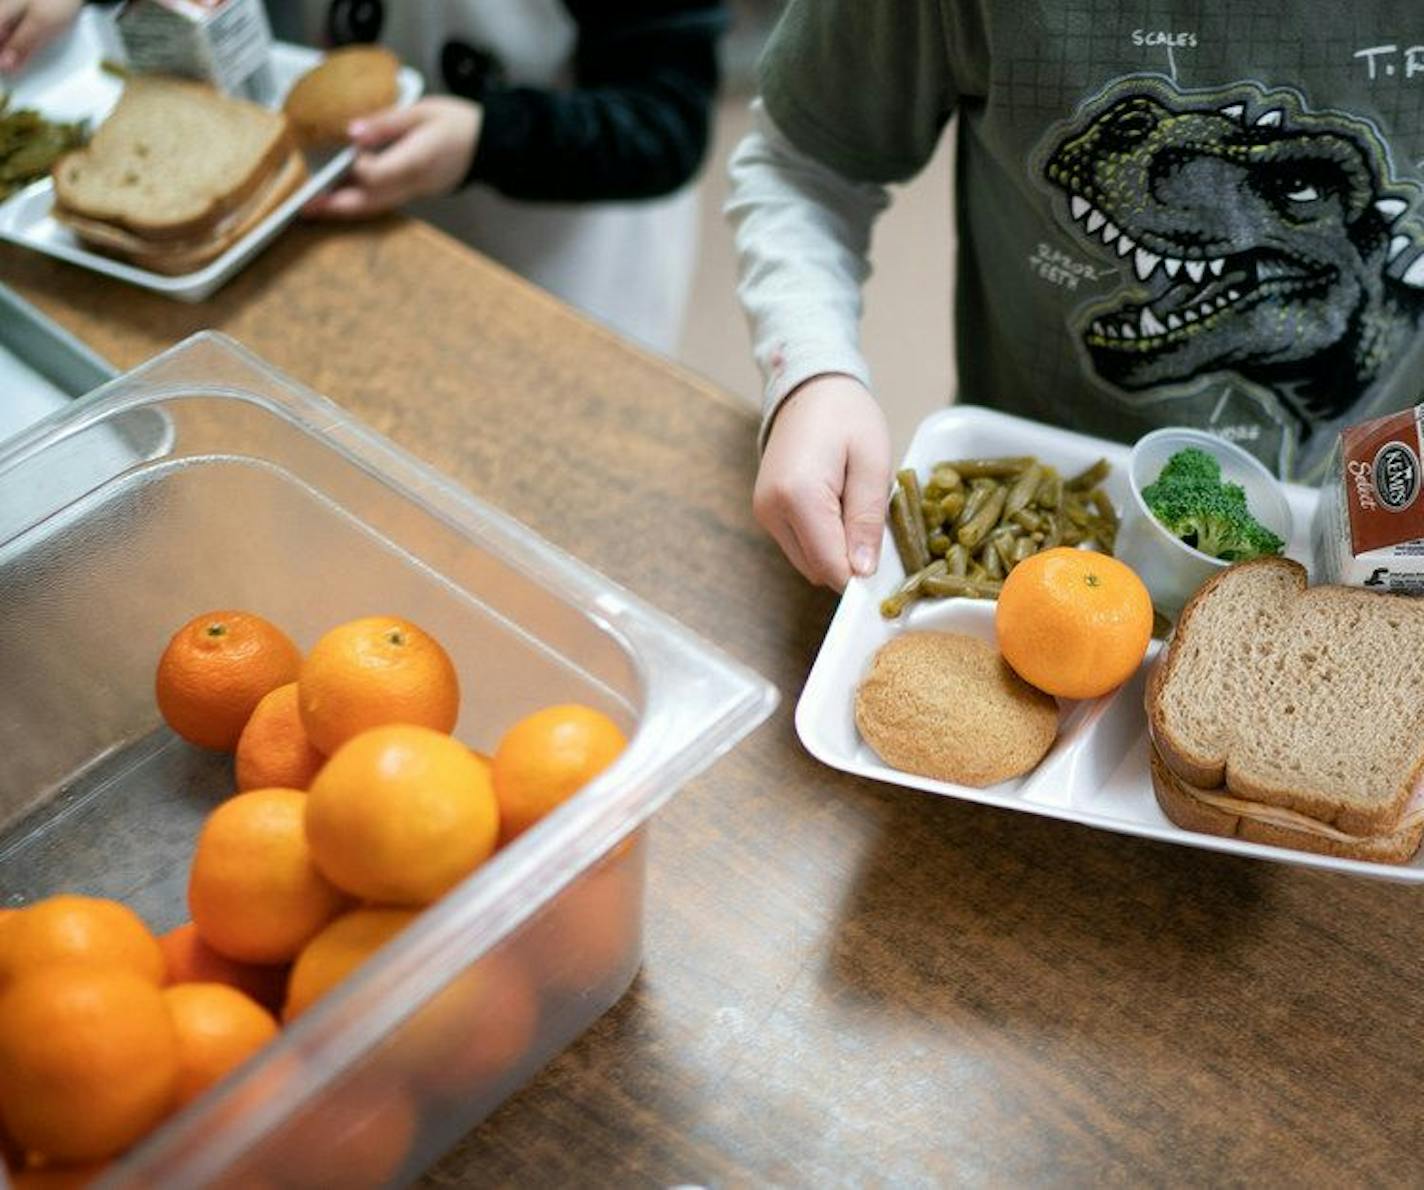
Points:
(1293, 714)
(176, 173)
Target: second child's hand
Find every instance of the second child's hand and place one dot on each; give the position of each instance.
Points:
(403, 154)
(28, 25)
(824, 479)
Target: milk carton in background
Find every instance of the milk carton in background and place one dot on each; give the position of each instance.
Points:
(1369, 524)
(224, 42)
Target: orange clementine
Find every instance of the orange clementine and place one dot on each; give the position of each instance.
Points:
(253, 891)
(191, 960)
(356, 1139)
(546, 758)
(273, 750)
(68, 929)
(217, 1029)
(592, 931)
(474, 1031)
(12, 1157)
(401, 814)
(337, 951)
(58, 1177)
(88, 1060)
(216, 670)
(1074, 623)
(371, 672)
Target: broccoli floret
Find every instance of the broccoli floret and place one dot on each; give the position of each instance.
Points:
(1193, 465)
(1192, 502)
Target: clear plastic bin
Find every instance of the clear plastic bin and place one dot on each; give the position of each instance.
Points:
(206, 479)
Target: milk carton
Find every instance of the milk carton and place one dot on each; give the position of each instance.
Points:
(1369, 524)
(223, 42)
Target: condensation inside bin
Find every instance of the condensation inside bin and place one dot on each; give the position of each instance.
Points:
(97, 796)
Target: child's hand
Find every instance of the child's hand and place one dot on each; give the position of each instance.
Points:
(28, 25)
(406, 153)
(825, 478)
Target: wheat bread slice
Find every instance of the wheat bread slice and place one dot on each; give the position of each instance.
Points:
(1203, 678)
(1215, 812)
(947, 706)
(1310, 700)
(172, 158)
(176, 257)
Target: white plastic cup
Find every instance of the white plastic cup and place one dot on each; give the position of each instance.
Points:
(1171, 569)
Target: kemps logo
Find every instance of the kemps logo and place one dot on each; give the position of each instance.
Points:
(1396, 476)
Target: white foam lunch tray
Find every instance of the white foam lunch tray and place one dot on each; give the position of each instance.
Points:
(68, 83)
(1097, 770)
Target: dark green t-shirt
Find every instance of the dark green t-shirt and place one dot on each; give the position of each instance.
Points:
(1169, 213)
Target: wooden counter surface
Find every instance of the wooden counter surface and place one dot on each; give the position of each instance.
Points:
(844, 983)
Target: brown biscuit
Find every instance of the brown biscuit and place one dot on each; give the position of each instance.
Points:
(349, 82)
(947, 706)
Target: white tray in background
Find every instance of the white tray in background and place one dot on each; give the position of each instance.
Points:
(1096, 773)
(66, 83)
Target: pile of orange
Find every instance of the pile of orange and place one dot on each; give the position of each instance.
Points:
(355, 808)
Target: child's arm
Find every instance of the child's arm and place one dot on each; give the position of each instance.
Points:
(803, 234)
(855, 96)
(635, 124)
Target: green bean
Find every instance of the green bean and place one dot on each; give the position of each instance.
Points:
(993, 563)
(1024, 489)
(952, 505)
(946, 477)
(1050, 491)
(1099, 500)
(973, 530)
(1075, 512)
(914, 502)
(950, 585)
(978, 492)
(908, 480)
(907, 530)
(30, 144)
(1089, 477)
(1002, 545)
(1024, 547)
(939, 544)
(910, 590)
(991, 468)
(1026, 518)
(1052, 531)
(1103, 532)
(957, 560)
(932, 515)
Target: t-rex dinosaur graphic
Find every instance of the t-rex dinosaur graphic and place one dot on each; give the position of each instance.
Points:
(1265, 238)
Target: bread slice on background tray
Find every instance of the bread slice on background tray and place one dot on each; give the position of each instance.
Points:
(176, 174)
(1299, 709)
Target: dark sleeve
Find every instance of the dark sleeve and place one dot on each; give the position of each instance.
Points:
(634, 125)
